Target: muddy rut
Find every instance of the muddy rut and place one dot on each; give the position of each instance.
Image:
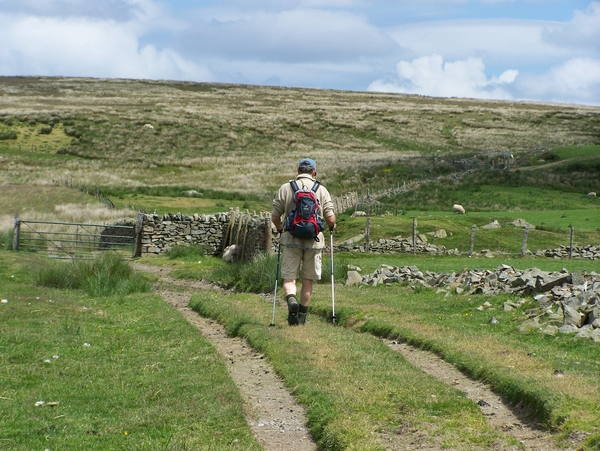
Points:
(279, 423)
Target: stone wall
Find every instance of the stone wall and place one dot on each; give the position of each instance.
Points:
(160, 233)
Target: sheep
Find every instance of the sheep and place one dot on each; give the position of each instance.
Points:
(458, 209)
(148, 127)
(592, 194)
(232, 253)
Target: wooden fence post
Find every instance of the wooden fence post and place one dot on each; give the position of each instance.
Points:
(524, 243)
(17, 230)
(571, 242)
(137, 236)
(473, 230)
(268, 235)
(368, 235)
(414, 235)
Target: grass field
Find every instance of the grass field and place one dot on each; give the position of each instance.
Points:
(107, 372)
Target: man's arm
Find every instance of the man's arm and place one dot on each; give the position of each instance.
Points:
(330, 220)
(276, 220)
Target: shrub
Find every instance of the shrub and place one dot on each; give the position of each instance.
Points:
(8, 135)
(46, 130)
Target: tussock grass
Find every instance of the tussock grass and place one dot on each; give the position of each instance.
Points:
(108, 274)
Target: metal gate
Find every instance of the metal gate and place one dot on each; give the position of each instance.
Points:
(73, 240)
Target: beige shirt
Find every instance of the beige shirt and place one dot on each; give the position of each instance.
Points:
(283, 204)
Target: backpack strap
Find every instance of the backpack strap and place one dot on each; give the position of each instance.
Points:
(316, 186)
(294, 186)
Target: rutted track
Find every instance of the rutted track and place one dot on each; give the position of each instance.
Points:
(279, 423)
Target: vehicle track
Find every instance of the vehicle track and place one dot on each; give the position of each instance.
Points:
(279, 423)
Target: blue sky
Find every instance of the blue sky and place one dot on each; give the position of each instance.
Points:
(542, 50)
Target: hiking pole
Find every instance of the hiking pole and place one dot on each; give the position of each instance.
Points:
(276, 280)
(332, 286)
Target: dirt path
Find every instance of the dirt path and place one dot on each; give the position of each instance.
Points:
(279, 422)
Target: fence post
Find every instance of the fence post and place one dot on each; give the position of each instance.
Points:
(368, 235)
(137, 236)
(524, 243)
(473, 230)
(571, 242)
(414, 235)
(17, 230)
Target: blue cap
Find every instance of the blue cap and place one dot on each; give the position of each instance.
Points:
(308, 162)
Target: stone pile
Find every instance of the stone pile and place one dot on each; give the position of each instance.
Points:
(591, 252)
(567, 302)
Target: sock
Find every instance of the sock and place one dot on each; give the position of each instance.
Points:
(303, 309)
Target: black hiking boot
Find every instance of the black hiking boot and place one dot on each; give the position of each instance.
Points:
(302, 312)
(302, 318)
(293, 308)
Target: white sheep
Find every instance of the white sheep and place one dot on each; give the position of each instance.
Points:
(458, 209)
(148, 127)
(232, 253)
(592, 194)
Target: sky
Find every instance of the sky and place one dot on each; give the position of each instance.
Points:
(540, 50)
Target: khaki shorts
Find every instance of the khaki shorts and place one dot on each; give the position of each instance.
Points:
(309, 258)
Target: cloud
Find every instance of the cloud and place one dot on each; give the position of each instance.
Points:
(581, 33)
(574, 81)
(498, 42)
(430, 75)
(86, 47)
(301, 35)
(120, 10)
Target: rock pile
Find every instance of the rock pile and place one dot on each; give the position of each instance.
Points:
(587, 252)
(567, 302)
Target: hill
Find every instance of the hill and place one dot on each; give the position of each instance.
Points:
(249, 138)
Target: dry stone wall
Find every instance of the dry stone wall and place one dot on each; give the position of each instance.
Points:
(160, 233)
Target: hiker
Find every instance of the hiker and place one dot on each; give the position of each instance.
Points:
(302, 253)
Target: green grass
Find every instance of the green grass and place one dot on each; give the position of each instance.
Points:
(106, 275)
(352, 385)
(518, 366)
(127, 372)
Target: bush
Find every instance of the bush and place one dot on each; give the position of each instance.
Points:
(46, 130)
(8, 135)
(108, 274)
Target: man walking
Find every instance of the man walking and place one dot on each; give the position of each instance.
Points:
(303, 254)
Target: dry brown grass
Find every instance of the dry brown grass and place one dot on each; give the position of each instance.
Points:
(249, 138)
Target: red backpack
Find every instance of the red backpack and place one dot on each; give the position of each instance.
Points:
(304, 222)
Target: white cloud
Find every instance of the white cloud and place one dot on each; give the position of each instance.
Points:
(581, 33)
(497, 41)
(430, 75)
(86, 47)
(574, 81)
